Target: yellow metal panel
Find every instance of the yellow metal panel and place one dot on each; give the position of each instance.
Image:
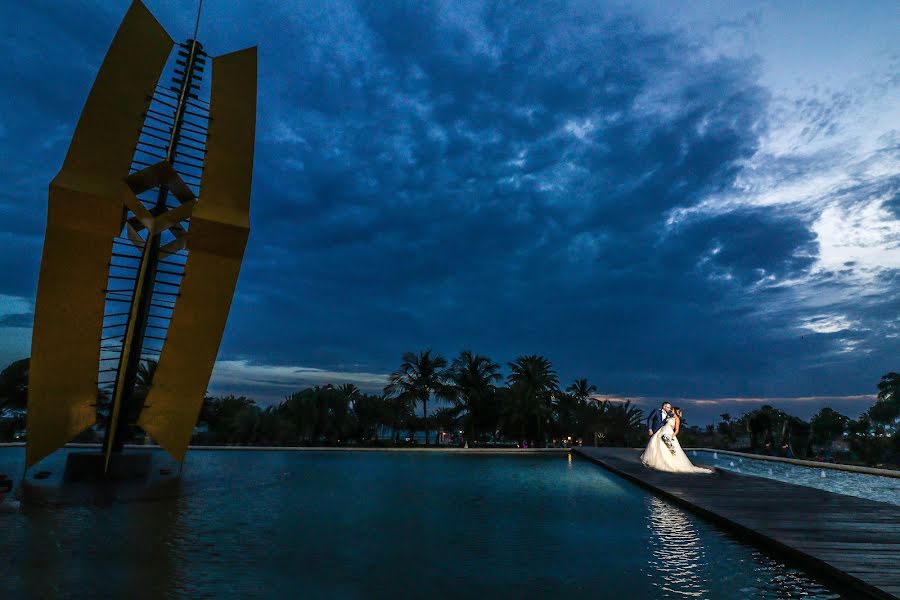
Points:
(62, 388)
(141, 213)
(181, 379)
(104, 140)
(161, 172)
(216, 241)
(85, 212)
(172, 217)
(228, 169)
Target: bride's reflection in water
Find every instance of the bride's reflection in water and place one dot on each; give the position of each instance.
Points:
(681, 549)
(678, 556)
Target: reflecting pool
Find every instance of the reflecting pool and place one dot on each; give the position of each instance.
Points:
(251, 524)
(861, 485)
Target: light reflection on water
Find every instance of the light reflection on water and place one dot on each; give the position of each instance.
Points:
(379, 525)
(677, 550)
(689, 559)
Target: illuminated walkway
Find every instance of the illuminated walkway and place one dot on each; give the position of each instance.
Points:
(854, 540)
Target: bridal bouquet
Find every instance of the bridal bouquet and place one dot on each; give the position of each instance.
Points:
(668, 442)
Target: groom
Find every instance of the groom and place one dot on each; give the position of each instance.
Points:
(657, 418)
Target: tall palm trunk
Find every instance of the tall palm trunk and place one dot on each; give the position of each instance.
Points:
(425, 417)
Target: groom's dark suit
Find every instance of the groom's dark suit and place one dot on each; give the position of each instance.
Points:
(656, 420)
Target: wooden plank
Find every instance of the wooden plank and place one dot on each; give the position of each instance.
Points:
(853, 540)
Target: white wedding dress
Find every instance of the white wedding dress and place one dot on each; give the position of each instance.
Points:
(664, 453)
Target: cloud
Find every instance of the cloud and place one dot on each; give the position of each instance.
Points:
(863, 236)
(864, 399)
(17, 320)
(702, 411)
(274, 382)
(558, 179)
(454, 193)
(14, 305)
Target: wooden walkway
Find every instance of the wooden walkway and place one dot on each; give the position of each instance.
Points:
(853, 540)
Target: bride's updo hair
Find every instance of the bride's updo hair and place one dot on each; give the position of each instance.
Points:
(677, 411)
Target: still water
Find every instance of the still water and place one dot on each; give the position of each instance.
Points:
(861, 485)
(251, 524)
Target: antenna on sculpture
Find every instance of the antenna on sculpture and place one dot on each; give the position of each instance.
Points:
(197, 22)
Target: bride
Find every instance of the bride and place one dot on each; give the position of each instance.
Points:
(664, 453)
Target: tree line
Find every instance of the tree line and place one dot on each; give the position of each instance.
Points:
(527, 407)
(872, 439)
(475, 403)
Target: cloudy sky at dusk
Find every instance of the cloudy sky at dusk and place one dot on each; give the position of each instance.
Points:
(674, 200)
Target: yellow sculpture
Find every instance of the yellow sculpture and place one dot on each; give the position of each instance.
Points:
(111, 211)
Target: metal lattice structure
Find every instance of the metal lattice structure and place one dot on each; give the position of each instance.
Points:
(147, 223)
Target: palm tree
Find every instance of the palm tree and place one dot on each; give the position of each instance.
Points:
(397, 413)
(368, 414)
(230, 416)
(419, 377)
(763, 423)
(877, 431)
(726, 428)
(274, 428)
(573, 411)
(621, 421)
(338, 410)
(13, 396)
(321, 411)
(445, 419)
(534, 371)
(14, 384)
(569, 411)
(534, 384)
(349, 390)
(889, 388)
(146, 371)
(473, 378)
(302, 409)
(515, 412)
(581, 390)
(886, 409)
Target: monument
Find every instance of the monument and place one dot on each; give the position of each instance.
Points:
(147, 223)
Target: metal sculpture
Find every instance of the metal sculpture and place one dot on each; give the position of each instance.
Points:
(146, 228)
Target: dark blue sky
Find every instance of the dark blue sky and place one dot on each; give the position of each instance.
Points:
(698, 204)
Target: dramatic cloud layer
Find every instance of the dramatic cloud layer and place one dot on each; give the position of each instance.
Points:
(632, 201)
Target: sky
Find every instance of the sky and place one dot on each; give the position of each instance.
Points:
(688, 201)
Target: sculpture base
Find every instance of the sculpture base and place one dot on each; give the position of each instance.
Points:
(135, 476)
(88, 467)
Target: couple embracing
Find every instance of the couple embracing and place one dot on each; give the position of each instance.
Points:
(663, 452)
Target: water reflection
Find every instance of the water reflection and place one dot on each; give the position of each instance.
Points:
(774, 579)
(691, 559)
(73, 552)
(861, 485)
(349, 525)
(677, 552)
